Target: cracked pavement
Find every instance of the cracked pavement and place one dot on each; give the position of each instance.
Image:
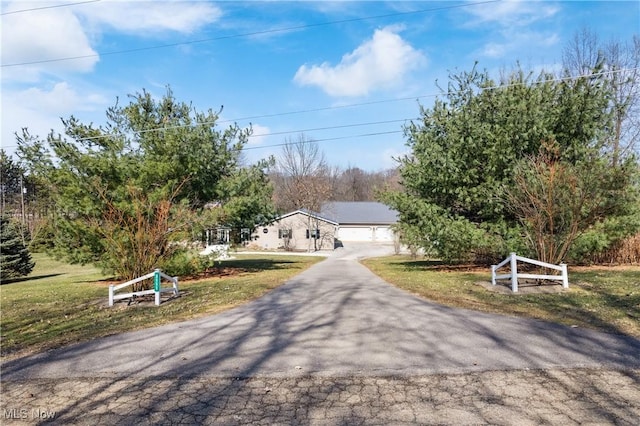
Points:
(335, 345)
(523, 397)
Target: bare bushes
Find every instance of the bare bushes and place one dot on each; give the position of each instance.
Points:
(626, 251)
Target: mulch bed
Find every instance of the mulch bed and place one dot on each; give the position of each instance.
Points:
(524, 286)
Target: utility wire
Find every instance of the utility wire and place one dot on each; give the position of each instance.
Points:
(236, 120)
(390, 100)
(344, 126)
(382, 101)
(48, 7)
(315, 129)
(324, 140)
(255, 33)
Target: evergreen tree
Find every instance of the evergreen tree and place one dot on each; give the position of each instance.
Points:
(467, 149)
(127, 191)
(10, 174)
(15, 259)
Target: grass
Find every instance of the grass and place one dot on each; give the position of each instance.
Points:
(59, 304)
(605, 299)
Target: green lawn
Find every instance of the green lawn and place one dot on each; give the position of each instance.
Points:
(58, 304)
(606, 299)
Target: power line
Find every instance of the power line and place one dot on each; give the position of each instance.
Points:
(306, 111)
(325, 139)
(382, 101)
(402, 99)
(236, 120)
(315, 129)
(48, 7)
(343, 126)
(414, 98)
(255, 33)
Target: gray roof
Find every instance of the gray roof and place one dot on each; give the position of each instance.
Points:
(359, 213)
(308, 213)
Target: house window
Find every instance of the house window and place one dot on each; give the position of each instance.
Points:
(313, 233)
(217, 236)
(245, 235)
(284, 233)
(222, 235)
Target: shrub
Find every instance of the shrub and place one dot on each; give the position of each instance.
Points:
(188, 262)
(15, 259)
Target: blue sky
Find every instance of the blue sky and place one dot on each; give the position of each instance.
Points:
(347, 74)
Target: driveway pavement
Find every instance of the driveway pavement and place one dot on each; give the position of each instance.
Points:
(336, 331)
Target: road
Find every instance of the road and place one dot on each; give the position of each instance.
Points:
(336, 345)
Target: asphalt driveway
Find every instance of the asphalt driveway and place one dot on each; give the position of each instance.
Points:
(336, 318)
(334, 345)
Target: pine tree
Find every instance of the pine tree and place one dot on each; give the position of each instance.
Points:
(127, 191)
(466, 149)
(15, 259)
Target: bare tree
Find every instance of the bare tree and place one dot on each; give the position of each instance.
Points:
(586, 53)
(302, 180)
(623, 60)
(582, 53)
(557, 201)
(139, 232)
(355, 184)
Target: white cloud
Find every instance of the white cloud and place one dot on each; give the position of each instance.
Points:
(61, 99)
(40, 110)
(510, 13)
(259, 135)
(512, 26)
(554, 68)
(388, 156)
(68, 32)
(42, 35)
(382, 61)
(142, 17)
(261, 144)
(495, 50)
(513, 40)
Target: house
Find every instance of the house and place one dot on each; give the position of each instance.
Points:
(298, 230)
(337, 222)
(361, 220)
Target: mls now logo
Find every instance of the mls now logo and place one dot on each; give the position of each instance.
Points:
(14, 413)
(41, 414)
(36, 413)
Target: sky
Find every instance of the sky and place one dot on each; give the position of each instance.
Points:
(349, 75)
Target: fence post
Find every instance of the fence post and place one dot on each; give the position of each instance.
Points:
(493, 274)
(111, 295)
(156, 280)
(156, 285)
(514, 273)
(565, 275)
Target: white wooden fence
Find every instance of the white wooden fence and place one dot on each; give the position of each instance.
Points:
(220, 251)
(157, 275)
(513, 259)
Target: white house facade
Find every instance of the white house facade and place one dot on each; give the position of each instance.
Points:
(336, 224)
(299, 230)
(362, 221)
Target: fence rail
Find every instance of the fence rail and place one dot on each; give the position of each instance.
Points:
(157, 276)
(513, 275)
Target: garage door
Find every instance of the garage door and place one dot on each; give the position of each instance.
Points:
(355, 233)
(383, 233)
